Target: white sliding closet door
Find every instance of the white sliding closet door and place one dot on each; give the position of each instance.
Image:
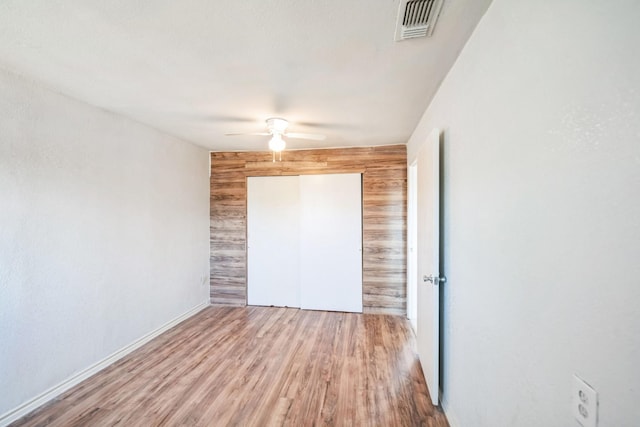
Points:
(273, 236)
(331, 242)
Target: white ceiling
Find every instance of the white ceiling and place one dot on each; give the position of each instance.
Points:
(198, 69)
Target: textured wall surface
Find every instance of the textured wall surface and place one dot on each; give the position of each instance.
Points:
(103, 235)
(541, 114)
(384, 199)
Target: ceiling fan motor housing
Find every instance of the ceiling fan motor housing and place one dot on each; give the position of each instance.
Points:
(277, 125)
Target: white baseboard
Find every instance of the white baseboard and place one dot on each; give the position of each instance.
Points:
(451, 417)
(22, 410)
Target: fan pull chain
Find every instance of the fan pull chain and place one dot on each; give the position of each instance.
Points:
(274, 156)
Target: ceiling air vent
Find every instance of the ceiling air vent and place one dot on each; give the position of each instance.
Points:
(417, 18)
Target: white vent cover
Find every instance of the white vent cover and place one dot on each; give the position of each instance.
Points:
(417, 18)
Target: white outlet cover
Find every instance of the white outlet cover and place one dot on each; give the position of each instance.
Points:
(584, 403)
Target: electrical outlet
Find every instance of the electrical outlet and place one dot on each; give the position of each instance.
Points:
(584, 403)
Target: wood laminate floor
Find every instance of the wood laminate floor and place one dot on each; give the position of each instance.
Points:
(258, 366)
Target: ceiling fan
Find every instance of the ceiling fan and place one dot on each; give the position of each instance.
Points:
(277, 128)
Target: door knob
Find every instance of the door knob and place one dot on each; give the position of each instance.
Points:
(435, 280)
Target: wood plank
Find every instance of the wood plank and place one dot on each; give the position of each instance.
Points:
(384, 194)
(258, 366)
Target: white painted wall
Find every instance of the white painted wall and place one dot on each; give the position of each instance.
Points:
(542, 213)
(104, 235)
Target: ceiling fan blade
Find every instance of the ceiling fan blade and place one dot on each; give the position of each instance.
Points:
(251, 133)
(313, 136)
(330, 126)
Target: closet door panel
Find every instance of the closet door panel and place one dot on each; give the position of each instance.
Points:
(331, 242)
(273, 234)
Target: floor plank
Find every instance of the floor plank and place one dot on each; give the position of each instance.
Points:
(258, 366)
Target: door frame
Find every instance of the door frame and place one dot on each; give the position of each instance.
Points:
(412, 239)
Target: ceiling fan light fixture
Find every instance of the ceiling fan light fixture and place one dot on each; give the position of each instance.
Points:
(277, 129)
(276, 144)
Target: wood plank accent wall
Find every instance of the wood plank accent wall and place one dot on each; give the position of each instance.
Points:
(384, 217)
